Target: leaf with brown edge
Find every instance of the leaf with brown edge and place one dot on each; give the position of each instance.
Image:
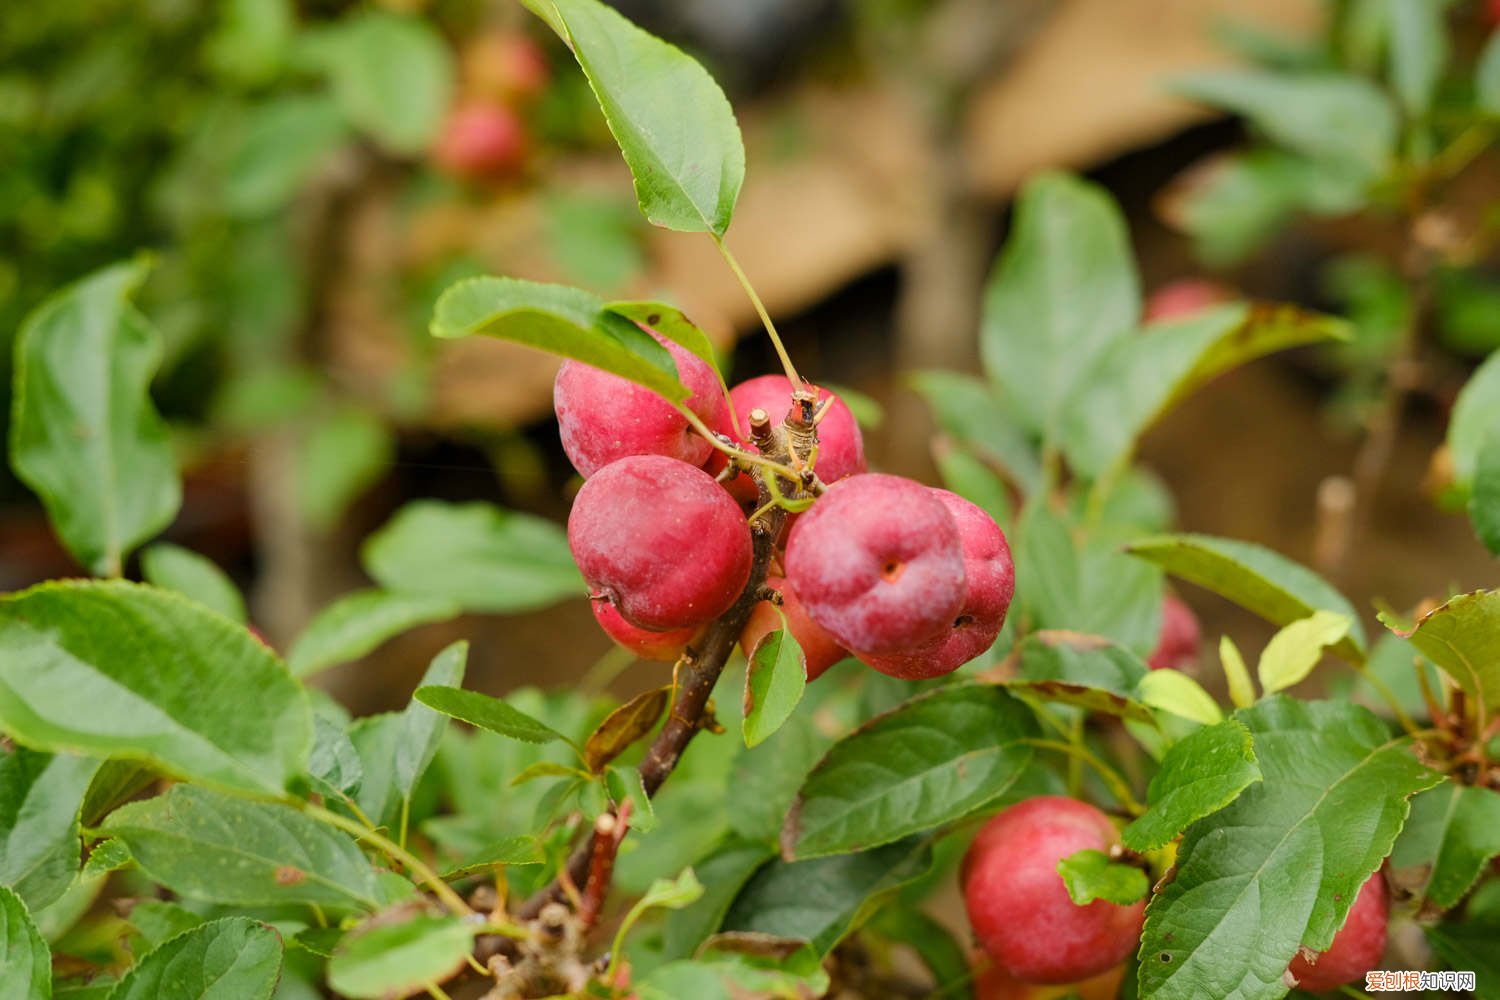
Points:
(1463, 638)
(624, 726)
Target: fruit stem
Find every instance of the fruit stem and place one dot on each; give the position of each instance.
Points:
(1111, 778)
(760, 309)
(786, 471)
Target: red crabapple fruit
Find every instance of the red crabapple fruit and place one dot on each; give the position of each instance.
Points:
(1356, 948)
(819, 649)
(603, 417)
(841, 447)
(1020, 910)
(1183, 298)
(481, 140)
(878, 562)
(1177, 643)
(989, 585)
(648, 645)
(660, 540)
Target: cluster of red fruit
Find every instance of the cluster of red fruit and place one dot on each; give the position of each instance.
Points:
(485, 135)
(1034, 933)
(914, 581)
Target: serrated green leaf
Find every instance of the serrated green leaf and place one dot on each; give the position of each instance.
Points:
(84, 434)
(1257, 579)
(231, 959)
(386, 961)
(487, 712)
(672, 122)
(722, 873)
(215, 848)
(173, 567)
(1462, 637)
(1236, 675)
(25, 963)
(774, 681)
(938, 757)
(423, 726)
(966, 408)
(1280, 867)
(1064, 289)
(1087, 671)
(559, 320)
(108, 855)
(40, 797)
(338, 459)
(1484, 493)
(119, 669)
(1453, 831)
(357, 623)
(1202, 773)
(1176, 692)
(1293, 651)
(476, 555)
(1136, 379)
(1090, 874)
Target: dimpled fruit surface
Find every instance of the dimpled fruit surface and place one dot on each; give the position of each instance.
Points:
(1356, 948)
(602, 417)
(878, 562)
(660, 540)
(1020, 910)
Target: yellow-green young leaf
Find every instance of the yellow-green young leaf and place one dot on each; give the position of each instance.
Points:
(25, 962)
(774, 681)
(1463, 638)
(1176, 692)
(173, 567)
(84, 434)
(624, 726)
(386, 961)
(231, 959)
(40, 796)
(672, 122)
(357, 623)
(1293, 652)
(1089, 875)
(115, 669)
(1199, 775)
(1236, 674)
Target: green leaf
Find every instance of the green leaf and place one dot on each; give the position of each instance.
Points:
(823, 899)
(671, 120)
(158, 921)
(520, 850)
(1280, 867)
(1293, 651)
(966, 408)
(1236, 675)
(25, 963)
(40, 796)
(1135, 380)
(624, 784)
(487, 712)
(377, 739)
(215, 848)
(767, 778)
(474, 554)
(1176, 692)
(1343, 121)
(723, 874)
(1064, 289)
(1417, 51)
(231, 959)
(1453, 832)
(1086, 671)
(392, 75)
(282, 143)
(560, 320)
(1476, 415)
(334, 764)
(671, 893)
(970, 477)
(774, 681)
(360, 621)
(84, 434)
(1484, 493)
(423, 726)
(671, 323)
(384, 961)
(107, 856)
(121, 670)
(934, 759)
(1462, 637)
(1202, 773)
(1469, 947)
(1260, 581)
(1487, 78)
(622, 727)
(173, 567)
(1089, 875)
(337, 461)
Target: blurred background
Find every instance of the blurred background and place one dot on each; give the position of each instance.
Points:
(308, 175)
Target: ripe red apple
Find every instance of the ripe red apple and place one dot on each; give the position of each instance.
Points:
(819, 649)
(1184, 297)
(1356, 948)
(989, 585)
(878, 562)
(506, 66)
(1019, 908)
(660, 540)
(841, 447)
(1177, 642)
(481, 140)
(665, 647)
(603, 417)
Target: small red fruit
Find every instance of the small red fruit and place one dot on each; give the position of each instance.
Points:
(1184, 297)
(603, 417)
(878, 562)
(990, 583)
(1019, 908)
(665, 647)
(1177, 642)
(841, 447)
(481, 140)
(819, 649)
(1356, 948)
(661, 541)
